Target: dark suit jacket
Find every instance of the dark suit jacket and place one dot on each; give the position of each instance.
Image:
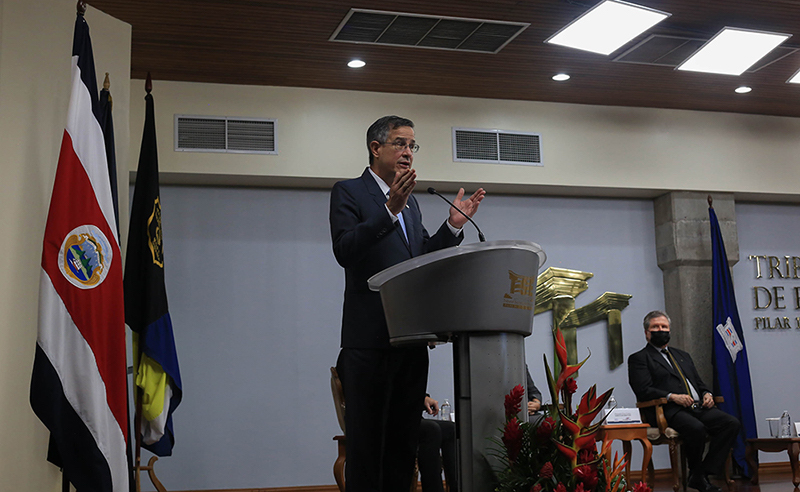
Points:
(533, 391)
(651, 377)
(366, 241)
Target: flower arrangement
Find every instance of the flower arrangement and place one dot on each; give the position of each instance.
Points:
(558, 453)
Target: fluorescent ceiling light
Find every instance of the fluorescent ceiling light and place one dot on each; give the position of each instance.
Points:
(795, 78)
(560, 77)
(607, 26)
(732, 51)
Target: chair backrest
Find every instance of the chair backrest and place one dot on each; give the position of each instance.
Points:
(338, 397)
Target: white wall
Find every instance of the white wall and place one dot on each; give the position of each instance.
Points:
(596, 150)
(36, 46)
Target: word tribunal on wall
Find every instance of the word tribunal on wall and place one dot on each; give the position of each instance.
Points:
(779, 295)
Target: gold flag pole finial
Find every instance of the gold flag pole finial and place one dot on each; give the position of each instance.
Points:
(106, 85)
(81, 6)
(710, 202)
(148, 84)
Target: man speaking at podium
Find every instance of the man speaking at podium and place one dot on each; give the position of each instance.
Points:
(376, 223)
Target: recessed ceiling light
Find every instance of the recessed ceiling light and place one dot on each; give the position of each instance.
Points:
(607, 26)
(560, 77)
(795, 79)
(743, 89)
(732, 51)
(356, 63)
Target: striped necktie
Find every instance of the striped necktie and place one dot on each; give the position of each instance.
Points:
(678, 368)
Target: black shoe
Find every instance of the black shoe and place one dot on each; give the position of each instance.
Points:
(700, 482)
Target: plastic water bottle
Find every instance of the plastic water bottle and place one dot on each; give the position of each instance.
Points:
(612, 403)
(445, 410)
(786, 425)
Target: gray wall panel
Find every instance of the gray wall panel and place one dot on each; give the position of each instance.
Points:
(255, 296)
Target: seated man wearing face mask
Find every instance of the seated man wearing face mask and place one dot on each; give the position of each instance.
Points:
(659, 371)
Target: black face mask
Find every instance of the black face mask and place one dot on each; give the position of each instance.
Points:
(659, 338)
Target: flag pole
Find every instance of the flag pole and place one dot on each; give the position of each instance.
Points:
(137, 417)
(80, 8)
(137, 421)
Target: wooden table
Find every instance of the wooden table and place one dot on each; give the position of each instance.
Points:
(774, 445)
(627, 433)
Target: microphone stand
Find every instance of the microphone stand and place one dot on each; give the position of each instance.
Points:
(481, 237)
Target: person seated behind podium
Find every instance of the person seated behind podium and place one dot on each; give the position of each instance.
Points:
(659, 371)
(435, 435)
(534, 400)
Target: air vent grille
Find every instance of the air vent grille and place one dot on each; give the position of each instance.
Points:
(502, 147)
(425, 31)
(223, 134)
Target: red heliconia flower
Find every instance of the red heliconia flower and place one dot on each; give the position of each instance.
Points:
(536, 488)
(566, 369)
(560, 487)
(590, 405)
(571, 386)
(580, 488)
(641, 487)
(546, 471)
(513, 401)
(512, 438)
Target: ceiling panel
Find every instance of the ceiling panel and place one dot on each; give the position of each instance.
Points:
(286, 43)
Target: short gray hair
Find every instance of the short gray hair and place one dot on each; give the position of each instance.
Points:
(379, 131)
(655, 314)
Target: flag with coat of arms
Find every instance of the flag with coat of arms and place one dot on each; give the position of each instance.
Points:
(156, 370)
(731, 369)
(79, 385)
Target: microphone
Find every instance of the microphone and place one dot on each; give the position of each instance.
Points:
(481, 237)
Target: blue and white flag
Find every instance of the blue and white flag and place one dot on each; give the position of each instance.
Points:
(731, 370)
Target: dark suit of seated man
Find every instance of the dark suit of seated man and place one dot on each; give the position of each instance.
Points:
(436, 435)
(659, 371)
(534, 400)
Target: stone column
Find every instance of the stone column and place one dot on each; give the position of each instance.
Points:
(683, 251)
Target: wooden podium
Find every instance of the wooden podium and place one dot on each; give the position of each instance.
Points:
(481, 298)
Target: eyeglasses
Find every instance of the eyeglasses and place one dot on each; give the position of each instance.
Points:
(401, 144)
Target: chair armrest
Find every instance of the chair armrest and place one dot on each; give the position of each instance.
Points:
(658, 404)
(651, 403)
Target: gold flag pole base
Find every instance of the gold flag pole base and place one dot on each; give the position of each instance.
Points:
(152, 473)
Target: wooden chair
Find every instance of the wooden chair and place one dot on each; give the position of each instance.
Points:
(338, 402)
(663, 434)
(341, 440)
